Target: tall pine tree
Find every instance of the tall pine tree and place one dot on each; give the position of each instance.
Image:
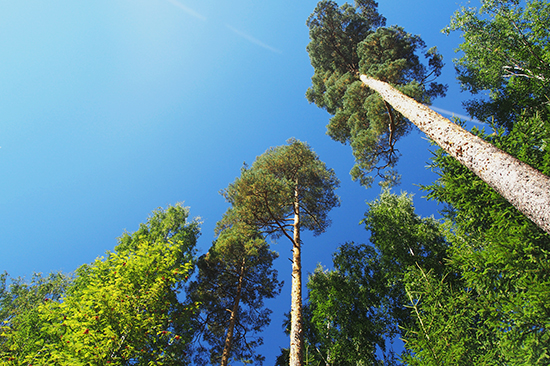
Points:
(234, 278)
(385, 60)
(287, 189)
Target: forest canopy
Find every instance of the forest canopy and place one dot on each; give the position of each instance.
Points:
(469, 285)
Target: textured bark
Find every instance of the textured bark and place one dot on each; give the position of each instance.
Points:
(296, 333)
(233, 319)
(524, 187)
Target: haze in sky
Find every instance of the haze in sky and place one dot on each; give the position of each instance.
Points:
(112, 108)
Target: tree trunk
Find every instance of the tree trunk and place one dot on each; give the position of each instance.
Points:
(296, 333)
(233, 319)
(524, 187)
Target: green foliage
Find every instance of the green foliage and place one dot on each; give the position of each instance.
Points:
(501, 255)
(348, 318)
(447, 327)
(496, 311)
(496, 314)
(404, 241)
(506, 51)
(403, 238)
(235, 274)
(286, 189)
(339, 30)
(20, 320)
(264, 196)
(162, 226)
(315, 352)
(122, 309)
(348, 41)
(360, 305)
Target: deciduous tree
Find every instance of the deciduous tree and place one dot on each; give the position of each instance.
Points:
(21, 335)
(348, 319)
(123, 308)
(504, 52)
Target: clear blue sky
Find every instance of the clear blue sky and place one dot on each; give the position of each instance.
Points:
(110, 109)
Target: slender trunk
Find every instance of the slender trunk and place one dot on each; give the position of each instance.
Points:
(296, 333)
(233, 319)
(524, 187)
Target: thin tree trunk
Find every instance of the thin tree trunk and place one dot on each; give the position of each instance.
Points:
(233, 319)
(296, 333)
(524, 187)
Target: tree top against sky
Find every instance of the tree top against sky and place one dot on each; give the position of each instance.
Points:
(347, 41)
(264, 194)
(505, 51)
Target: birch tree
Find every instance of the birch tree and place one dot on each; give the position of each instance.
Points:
(505, 56)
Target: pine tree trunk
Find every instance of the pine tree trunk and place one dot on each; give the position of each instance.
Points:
(296, 333)
(524, 187)
(233, 319)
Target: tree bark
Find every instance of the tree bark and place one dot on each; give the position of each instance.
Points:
(233, 319)
(296, 333)
(524, 187)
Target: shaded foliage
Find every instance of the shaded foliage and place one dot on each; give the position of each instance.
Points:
(234, 278)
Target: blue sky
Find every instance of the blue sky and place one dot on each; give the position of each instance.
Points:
(110, 109)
